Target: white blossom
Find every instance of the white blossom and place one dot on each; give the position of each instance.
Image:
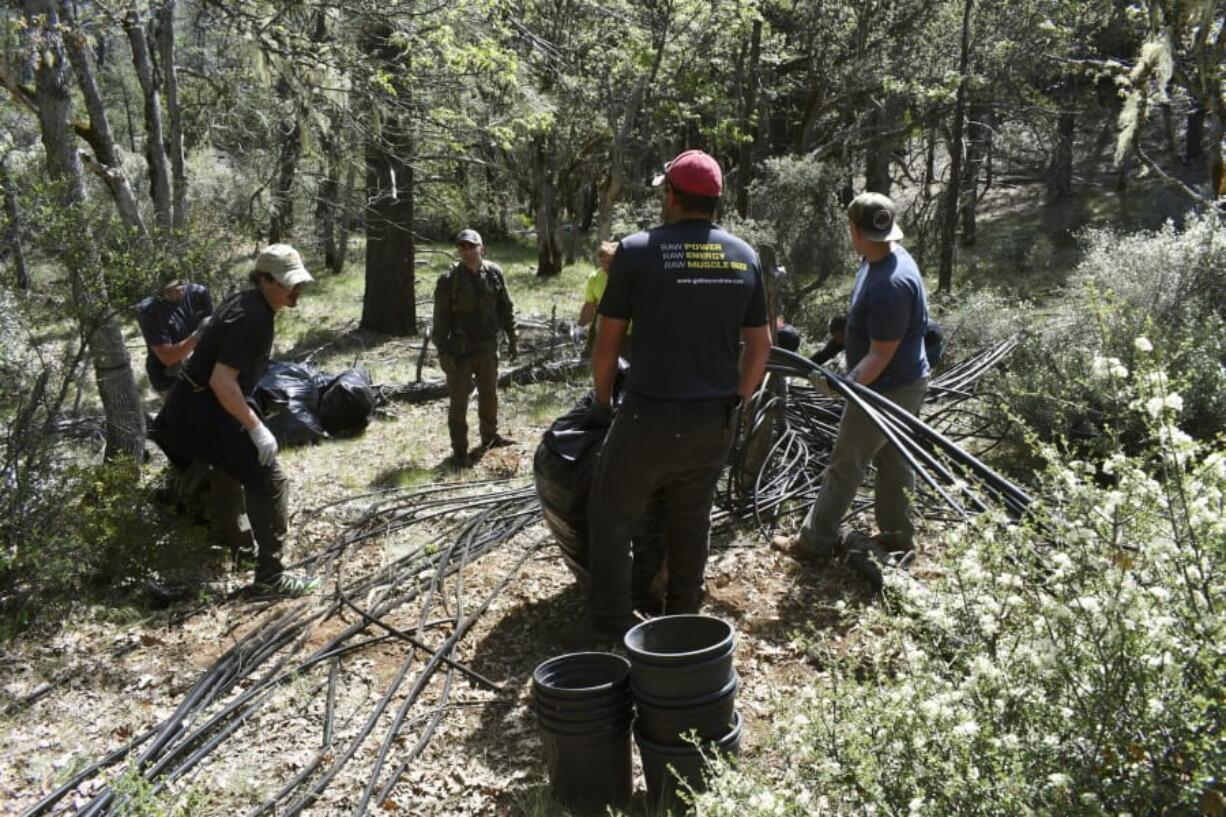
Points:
(1142, 344)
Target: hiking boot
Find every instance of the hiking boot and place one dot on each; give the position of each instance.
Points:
(459, 459)
(495, 440)
(794, 547)
(284, 584)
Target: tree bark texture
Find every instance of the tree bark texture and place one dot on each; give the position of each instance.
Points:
(289, 133)
(949, 205)
(978, 132)
(389, 304)
(125, 421)
(1060, 170)
(344, 217)
(548, 255)
(13, 229)
(170, 74)
(107, 164)
(327, 199)
(744, 171)
(155, 147)
(878, 150)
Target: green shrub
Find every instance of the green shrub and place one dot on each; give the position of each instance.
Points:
(1071, 665)
(1165, 286)
(66, 519)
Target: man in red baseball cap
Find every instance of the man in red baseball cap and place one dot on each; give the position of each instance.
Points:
(693, 172)
(696, 296)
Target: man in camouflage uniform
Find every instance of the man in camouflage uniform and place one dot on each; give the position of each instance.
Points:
(471, 308)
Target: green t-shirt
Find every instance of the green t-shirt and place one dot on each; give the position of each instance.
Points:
(593, 291)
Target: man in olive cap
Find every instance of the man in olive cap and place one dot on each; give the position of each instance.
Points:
(207, 416)
(471, 309)
(884, 347)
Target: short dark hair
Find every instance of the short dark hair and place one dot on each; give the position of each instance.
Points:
(698, 204)
(838, 324)
(255, 275)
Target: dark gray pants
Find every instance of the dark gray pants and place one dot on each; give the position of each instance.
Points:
(859, 442)
(673, 451)
(266, 504)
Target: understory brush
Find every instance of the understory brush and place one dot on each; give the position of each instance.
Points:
(1166, 287)
(1072, 663)
(67, 522)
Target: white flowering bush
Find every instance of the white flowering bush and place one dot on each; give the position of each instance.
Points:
(1070, 664)
(1133, 297)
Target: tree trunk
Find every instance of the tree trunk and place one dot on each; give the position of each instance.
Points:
(109, 167)
(327, 204)
(344, 216)
(13, 228)
(878, 149)
(949, 215)
(389, 304)
(613, 187)
(1195, 135)
(977, 135)
(281, 223)
(125, 421)
(155, 147)
(166, 51)
(548, 257)
(744, 170)
(1060, 171)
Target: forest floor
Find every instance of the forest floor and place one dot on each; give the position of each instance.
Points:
(110, 672)
(114, 675)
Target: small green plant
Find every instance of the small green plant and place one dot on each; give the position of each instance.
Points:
(137, 797)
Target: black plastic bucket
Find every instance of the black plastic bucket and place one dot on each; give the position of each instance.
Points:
(670, 769)
(667, 722)
(681, 658)
(583, 705)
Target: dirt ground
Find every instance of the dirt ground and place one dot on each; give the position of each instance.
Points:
(114, 674)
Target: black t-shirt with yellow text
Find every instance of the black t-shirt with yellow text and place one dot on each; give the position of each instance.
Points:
(690, 287)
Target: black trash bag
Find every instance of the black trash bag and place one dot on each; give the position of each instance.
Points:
(287, 397)
(347, 403)
(563, 470)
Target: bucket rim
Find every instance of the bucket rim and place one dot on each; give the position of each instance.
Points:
(717, 649)
(619, 665)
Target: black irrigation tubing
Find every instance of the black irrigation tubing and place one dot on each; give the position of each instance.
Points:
(436, 658)
(246, 656)
(1014, 498)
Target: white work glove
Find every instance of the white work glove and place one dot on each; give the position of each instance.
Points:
(822, 384)
(265, 443)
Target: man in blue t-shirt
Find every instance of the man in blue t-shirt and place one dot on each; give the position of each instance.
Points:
(701, 340)
(884, 347)
(171, 323)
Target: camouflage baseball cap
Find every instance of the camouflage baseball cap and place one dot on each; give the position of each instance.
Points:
(875, 215)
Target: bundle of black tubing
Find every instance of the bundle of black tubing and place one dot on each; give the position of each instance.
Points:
(684, 688)
(583, 705)
(938, 461)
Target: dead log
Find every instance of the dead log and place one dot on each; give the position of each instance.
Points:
(551, 372)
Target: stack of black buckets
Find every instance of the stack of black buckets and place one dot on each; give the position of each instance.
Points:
(681, 681)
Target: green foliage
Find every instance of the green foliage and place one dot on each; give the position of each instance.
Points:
(795, 207)
(65, 520)
(136, 797)
(1069, 665)
(1161, 289)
